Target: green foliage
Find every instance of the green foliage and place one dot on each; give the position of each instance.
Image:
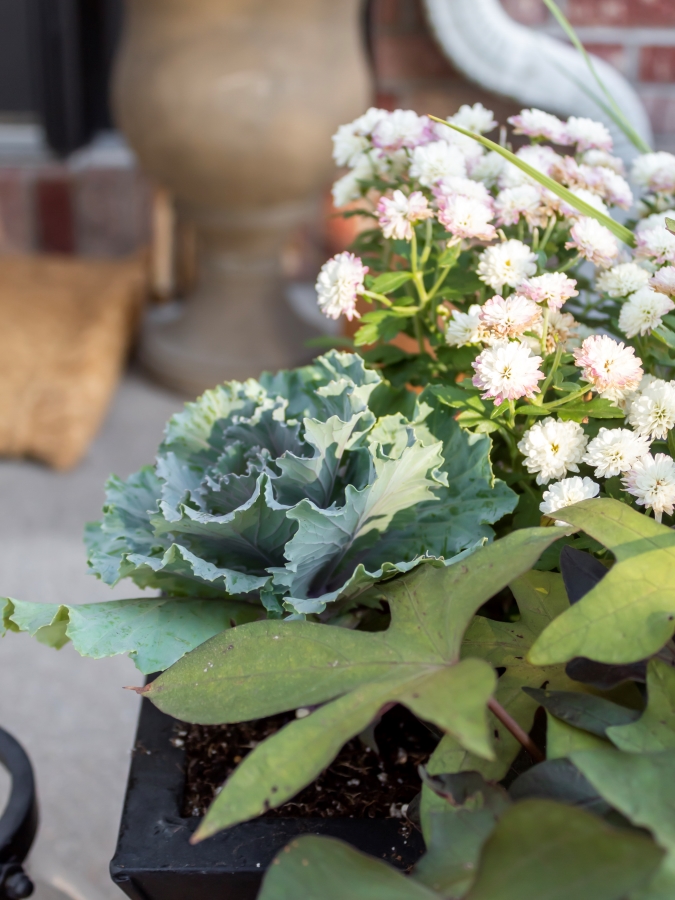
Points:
(538, 850)
(630, 614)
(655, 729)
(291, 489)
(269, 667)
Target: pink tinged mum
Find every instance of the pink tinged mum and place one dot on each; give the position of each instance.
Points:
(340, 281)
(537, 123)
(398, 214)
(594, 242)
(609, 366)
(588, 134)
(509, 317)
(664, 281)
(657, 244)
(464, 217)
(507, 371)
(552, 288)
(402, 128)
(652, 482)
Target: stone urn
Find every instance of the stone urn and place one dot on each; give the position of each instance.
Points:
(231, 104)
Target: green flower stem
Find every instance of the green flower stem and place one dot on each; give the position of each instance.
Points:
(438, 284)
(544, 333)
(373, 295)
(428, 243)
(570, 263)
(568, 399)
(556, 362)
(413, 252)
(512, 414)
(549, 231)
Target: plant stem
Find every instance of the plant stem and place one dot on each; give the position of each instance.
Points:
(427, 242)
(547, 234)
(570, 263)
(544, 331)
(511, 725)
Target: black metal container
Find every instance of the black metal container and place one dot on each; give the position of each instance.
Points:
(19, 820)
(155, 861)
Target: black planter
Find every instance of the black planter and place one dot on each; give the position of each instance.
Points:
(18, 822)
(155, 861)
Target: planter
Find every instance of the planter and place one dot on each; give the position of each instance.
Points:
(231, 105)
(155, 861)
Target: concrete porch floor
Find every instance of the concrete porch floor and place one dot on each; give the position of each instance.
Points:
(71, 714)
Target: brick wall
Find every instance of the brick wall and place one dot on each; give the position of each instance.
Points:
(636, 36)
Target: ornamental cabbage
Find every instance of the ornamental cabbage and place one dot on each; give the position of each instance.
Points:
(290, 489)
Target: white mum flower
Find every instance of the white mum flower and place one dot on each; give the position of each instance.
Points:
(537, 123)
(588, 134)
(664, 280)
(507, 371)
(610, 366)
(488, 168)
(652, 412)
(435, 161)
(474, 118)
(606, 160)
(466, 218)
(339, 283)
(657, 244)
(539, 156)
(655, 220)
(507, 263)
(351, 140)
(349, 187)
(644, 311)
(562, 329)
(464, 327)
(401, 128)
(567, 493)
(524, 200)
(615, 450)
(552, 288)
(594, 242)
(398, 214)
(622, 280)
(465, 187)
(614, 188)
(655, 172)
(552, 448)
(509, 317)
(652, 482)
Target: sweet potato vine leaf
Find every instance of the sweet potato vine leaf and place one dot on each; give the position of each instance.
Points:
(642, 787)
(541, 597)
(630, 614)
(128, 626)
(269, 667)
(539, 850)
(655, 730)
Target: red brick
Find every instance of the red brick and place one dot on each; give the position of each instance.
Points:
(657, 64)
(410, 56)
(112, 212)
(16, 210)
(621, 12)
(528, 12)
(387, 100)
(54, 214)
(615, 54)
(661, 112)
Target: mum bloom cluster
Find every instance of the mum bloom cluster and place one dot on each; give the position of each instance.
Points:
(433, 188)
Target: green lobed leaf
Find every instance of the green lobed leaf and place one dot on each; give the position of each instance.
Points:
(541, 850)
(586, 711)
(642, 787)
(390, 281)
(630, 614)
(416, 662)
(155, 632)
(655, 730)
(320, 868)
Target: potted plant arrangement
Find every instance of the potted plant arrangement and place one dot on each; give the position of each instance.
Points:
(415, 633)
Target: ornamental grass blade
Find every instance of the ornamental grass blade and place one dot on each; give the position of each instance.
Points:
(630, 614)
(301, 664)
(320, 868)
(541, 850)
(624, 234)
(655, 730)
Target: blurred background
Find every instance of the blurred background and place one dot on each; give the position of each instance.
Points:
(165, 173)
